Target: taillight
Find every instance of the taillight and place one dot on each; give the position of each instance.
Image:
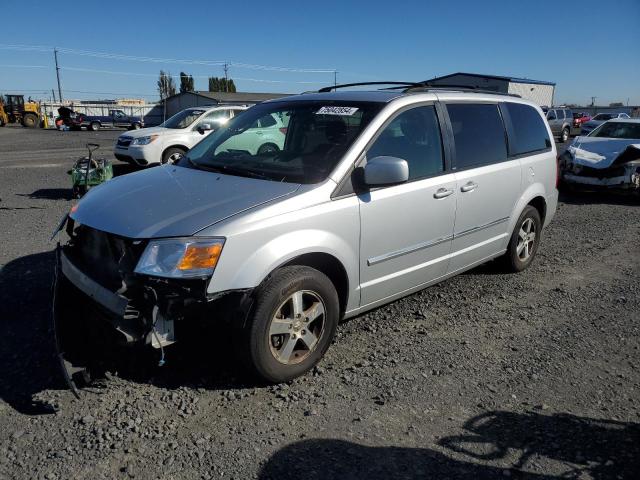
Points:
(283, 130)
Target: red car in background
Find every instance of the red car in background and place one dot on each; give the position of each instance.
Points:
(579, 118)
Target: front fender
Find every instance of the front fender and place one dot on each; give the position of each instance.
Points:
(261, 262)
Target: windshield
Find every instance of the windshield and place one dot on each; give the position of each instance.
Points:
(182, 119)
(299, 142)
(625, 130)
(603, 116)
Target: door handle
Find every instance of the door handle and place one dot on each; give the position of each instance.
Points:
(469, 187)
(443, 192)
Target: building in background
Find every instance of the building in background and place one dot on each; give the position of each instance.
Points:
(180, 101)
(537, 91)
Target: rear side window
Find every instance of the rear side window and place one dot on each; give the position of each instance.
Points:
(414, 136)
(568, 114)
(560, 114)
(529, 129)
(267, 121)
(478, 134)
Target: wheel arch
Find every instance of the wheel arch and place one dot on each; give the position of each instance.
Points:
(175, 145)
(539, 203)
(331, 267)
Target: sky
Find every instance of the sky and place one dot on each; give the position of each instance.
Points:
(116, 49)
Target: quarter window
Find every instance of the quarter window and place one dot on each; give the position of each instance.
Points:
(414, 136)
(529, 129)
(478, 134)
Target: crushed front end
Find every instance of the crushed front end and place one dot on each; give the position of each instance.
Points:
(580, 167)
(103, 309)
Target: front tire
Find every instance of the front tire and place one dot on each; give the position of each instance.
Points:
(172, 155)
(524, 241)
(94, 127)
(30, 120)
(564, 136)
(291, 325)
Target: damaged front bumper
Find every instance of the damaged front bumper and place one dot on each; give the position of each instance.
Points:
(625, 177)
(104, 313)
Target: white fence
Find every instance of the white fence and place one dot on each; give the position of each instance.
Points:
(152, 114)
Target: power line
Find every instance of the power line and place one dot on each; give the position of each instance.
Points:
(117, 56)
(114, 72)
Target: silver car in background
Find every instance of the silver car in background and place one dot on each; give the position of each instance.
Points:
(373, 195)
(609, 157)
(599, 119)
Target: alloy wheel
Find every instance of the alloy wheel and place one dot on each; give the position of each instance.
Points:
(526, 239)
(297, 327)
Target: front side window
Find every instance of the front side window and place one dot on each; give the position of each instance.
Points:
(529, 130)
(183, 119)
(613, 129)
(478, 134)
(289, 141)
(414, 136)
(560, 114)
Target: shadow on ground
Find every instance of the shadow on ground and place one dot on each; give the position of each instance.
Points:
(580, 447)
(26, 349)
(582, 197)
(28, 352)
(49, 194)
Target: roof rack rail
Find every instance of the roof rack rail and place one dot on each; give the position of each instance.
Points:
(425, 87)
(346, 85)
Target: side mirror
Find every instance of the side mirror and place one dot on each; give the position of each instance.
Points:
(385, 170)
(204, 127)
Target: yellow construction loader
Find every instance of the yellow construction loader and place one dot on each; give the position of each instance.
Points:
(13, 109)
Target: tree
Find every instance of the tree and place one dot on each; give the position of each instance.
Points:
(221, 85)
(186, 83)
(166, 85)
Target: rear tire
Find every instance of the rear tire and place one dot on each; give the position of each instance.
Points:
(291, 325)
(29, 120)
(524, 241)
(94, 126)
(268, 148)
(136, 126)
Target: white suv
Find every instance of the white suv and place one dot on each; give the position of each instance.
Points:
(171, 139)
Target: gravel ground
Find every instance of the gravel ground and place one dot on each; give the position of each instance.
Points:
(487, 375)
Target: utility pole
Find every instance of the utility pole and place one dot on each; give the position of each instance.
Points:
(55, 55)
(226, 77)
(335, 78)
(54, 95)
(593, 101)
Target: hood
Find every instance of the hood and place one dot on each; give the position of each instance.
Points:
(597, 152)
(172, 201)
(143, 132)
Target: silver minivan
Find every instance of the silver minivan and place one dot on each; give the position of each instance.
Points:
(373, 195)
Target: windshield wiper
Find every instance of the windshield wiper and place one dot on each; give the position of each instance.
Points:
(228, 170)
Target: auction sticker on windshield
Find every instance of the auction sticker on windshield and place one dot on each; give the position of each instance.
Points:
(345, 111)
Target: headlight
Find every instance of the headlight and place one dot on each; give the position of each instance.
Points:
(181, 257)
(144, 140)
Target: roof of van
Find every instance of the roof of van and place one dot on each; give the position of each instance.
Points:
(385, 96)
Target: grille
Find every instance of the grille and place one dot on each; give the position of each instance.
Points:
(106, 258)
(124, 141)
